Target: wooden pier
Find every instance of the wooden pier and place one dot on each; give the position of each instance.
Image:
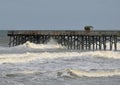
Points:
(72, 39)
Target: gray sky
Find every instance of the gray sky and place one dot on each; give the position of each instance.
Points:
(59, 14)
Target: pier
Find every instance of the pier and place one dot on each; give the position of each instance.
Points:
(71, 39)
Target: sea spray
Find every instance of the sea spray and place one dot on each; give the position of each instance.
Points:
(52, 44)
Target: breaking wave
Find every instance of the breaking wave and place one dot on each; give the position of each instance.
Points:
(67, 73)
(26, 57)
(52, 57)
(50, 45)
(72, 73)
(30, 52)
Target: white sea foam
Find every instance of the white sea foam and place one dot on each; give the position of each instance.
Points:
(54, 57)
(52, 44)
(72, 73)
(30, 52)
(22, 73)
(26, 57)
(67, 72)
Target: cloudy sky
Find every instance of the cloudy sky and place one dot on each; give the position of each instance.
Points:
(59, 14)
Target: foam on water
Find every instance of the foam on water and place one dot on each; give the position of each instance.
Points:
(72, 73)
(69, 73)
(52, 44)
(57, 59)
(26, 57)
(30, 51)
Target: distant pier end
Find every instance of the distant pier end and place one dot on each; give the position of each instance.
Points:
(71, 39)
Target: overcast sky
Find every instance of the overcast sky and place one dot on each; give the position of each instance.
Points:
(59, 14)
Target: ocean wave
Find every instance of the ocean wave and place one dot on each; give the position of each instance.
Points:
(29, 46)
(65, 73)
(30, 52)
(23, 73)
(29, 56)
(72, 73)
(52, 44)
(43, 46)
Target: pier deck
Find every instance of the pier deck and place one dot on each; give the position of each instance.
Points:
(72, 39)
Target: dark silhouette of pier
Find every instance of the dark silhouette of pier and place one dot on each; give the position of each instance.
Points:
(72, 39)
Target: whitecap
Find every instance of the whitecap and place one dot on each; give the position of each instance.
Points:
(73, 73)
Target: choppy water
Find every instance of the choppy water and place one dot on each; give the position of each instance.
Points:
(52, 64)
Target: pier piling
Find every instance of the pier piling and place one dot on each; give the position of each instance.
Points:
(71, 39)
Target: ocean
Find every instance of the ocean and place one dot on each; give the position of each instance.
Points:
(53, 64)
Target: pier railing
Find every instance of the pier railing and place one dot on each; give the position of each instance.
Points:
(62, 32)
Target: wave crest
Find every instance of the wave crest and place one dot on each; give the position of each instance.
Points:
(49, 45)
(72, 73)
